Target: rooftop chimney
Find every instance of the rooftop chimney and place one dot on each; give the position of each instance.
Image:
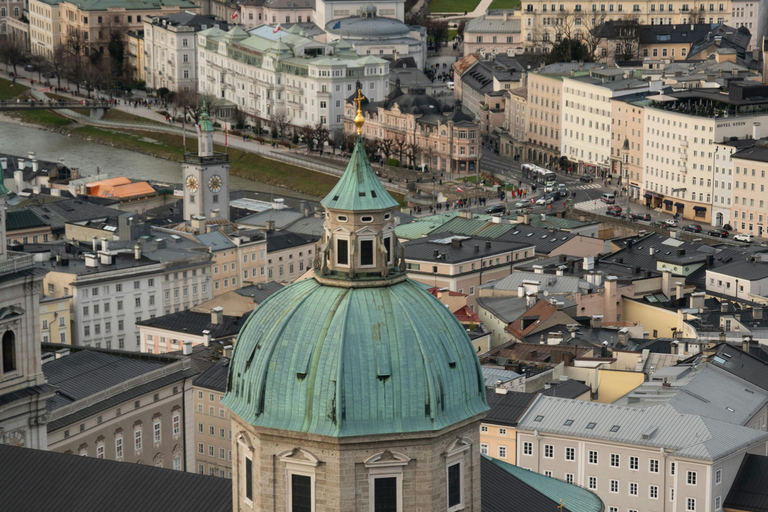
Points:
(95, 244)
(697, 300)
(187, 350)
(137, 251)
(756, 131)
(270, 225)
(228, 351)
(217, 315)
(538, 269)
(207, 338)
(214, 213)
(596, 322)
(530, 300)
(589, 263)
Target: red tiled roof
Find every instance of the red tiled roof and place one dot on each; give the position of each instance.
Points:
(466, 315)
(542, 309)
(435, 291)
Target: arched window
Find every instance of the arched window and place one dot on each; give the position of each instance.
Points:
(16, 12)
(2, 12)
(9, 352)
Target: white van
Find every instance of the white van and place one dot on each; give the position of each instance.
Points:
(608, 198)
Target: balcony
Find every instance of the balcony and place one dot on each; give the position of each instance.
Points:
(683, 143)
(683, 156)
(17, 261)
(682, 169)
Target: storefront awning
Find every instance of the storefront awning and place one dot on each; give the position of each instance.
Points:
(632, 185)
(667, 201)
(648, 195)
(680, 205)
(700, 208)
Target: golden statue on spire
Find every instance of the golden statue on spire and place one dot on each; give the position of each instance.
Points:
(359, 119)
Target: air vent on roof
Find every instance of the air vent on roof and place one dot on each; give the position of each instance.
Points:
(529, 234)
(615, 428)
(729, 409)
(649, 432)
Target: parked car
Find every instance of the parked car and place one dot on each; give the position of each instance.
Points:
(497, 208)
(744, 237)
(614, 213)
(658, 224)
(720, 233)
(640, 216)
(615, 207)
(694, 228)
(450, 86)
(670, 223)
(728, 227)
(29, 67)
(585, 179)
(522, 203)
(545, 200)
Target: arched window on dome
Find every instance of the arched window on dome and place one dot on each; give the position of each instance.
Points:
(9, 352)
(454, 472)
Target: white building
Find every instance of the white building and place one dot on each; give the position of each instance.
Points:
(752, 14)
(586, 121)
(742, 279)
(266, 72)
(44, 29)
(328, 10)
(170, 49)
(723, 180)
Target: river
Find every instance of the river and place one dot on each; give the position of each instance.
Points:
(91, 156)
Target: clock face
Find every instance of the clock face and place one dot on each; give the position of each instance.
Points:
(214, 183)
(192, 183)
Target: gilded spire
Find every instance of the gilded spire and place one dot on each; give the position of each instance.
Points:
(359, 119)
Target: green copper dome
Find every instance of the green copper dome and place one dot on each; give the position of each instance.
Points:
(341, 361)
(359, 188)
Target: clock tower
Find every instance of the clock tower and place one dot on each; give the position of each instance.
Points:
(206, 175)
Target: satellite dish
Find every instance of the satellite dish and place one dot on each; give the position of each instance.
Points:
(546, 293)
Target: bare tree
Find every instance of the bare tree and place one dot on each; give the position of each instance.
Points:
(58, 63)
(75, 64)
(191, 103)
(322, 134)
(627, 39)
(437, 30)
(412, 152)
(308, 133)
(12, 53)
(398, 147)
(279, 120)
(385, 146)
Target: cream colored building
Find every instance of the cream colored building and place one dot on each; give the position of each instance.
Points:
(647, 459)
(749, 213)
(211, 426)
(44, 27)
(627, 145)
(542, 21)
(586, 122)
(545, 99)
(56, 321)
(136, 54)
(253, 14)
(496, 32)
(515, 123)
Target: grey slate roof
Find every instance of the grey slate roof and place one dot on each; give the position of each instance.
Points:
(35, 480)
(260, 292)
(282, 218)
(741, 364)
(545, 241)
(285, 240)
(686, 435)
(743, 269)
(493, 375)
(215, 377)
(86, 372)
(749, 491)
(57, 213)
(547, 282)
(507, 409)
(482, 24)
(569, 389)
(423, 249)
(22, 219)
(507, 309)
(216, 240)
(192, 322)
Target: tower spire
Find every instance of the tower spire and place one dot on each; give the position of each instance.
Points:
(359, 119)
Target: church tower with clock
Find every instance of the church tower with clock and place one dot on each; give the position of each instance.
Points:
(206, 175)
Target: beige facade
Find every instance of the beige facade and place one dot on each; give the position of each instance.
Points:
(213, 434)
(545, 97)
(749, 212)
(146, 429)
(515, 123)
(497, 32)
(499, 442)
(95, 25)
(343, 471)
(56, 321)
(444, 145)
(287, 265)
(627, 145)
(136, 54)
(44, 31)
(542, 23)
(252, 15)
(9, 9)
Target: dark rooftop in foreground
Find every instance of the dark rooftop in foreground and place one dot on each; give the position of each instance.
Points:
(192, 322)
(37, 480)
(749, 491)
(456, 248)
(215, 377)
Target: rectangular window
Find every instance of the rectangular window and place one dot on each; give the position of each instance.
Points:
(633, 489)
(156, 432)
(653, 492)
(615, 460)
(176, 424)
(342, 252)
(137, 440)
(549, 451)
(502, 452)
(593, 482)
(653, 466)
(527, 448)
(385, 494)
(366, 252)
(570, 454)
(592, 457)
(634, 463)
(614, 486)
(454, 485)
(248, 479)
(690, 505)
(718, 476)
(484, 448)
(119, 447)
(691, 478)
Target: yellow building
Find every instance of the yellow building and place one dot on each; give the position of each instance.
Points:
(136, 54)
(56, 319)
(211, 451)
(44, 31)
(498, 437)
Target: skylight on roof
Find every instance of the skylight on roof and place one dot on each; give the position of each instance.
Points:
(568, 423)
(615, 428)
(538, 418)
(529, 234)
(591, 425)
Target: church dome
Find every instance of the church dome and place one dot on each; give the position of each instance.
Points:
(357, 349)
(341, 362)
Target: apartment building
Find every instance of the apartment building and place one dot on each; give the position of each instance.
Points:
(289, 256)
(722, 199)
(135, 47)
(749, 213)
(56, 320)
(679, 149)
(254, 13)
(44, 27)
(751, 15)
(94, 21)
(236, 258)
(172, 333)
(543, 23)
(586, 122)
(118, 406)
(448, 141)
(512, 139)
(627, 145)
(266, 72)
(648, 459)
(170, 44)
(210, 426)
(498, 434)
(496, 32)
(462, 263)
(9, 9)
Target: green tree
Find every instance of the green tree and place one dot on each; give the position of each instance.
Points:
(568, 50)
